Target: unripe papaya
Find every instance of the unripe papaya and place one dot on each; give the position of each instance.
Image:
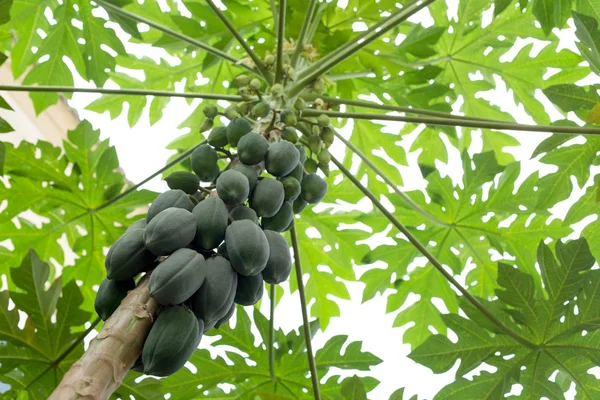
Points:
(207, 125)
(233, 187)
(267, 197)
(314, 144)
(279, 264)
(242, 212)
(249, 172)
(236, 129)
(242, 80)
(249, 290)
(128, 256)
(280, 221)
(297, 173)
(291, 188)
(211, 221)
(210, 110)
(323, 120)
(269, 59)
(214, 298)
(277, 90)
(324, 157)
(170, 230)
(290, 134)
(255, 84)
(178, 277)
(299, 104)
(281, 158)
(170, 198)
(304, 127)
(183, 180)
(227, 316)
(247, 247)
(172, 340)
(302, 152)
(252, 148)
(288, 117)
(314, 188)
(205, 163)
(231, 112)
(327, 136)
(109, 296)
(139, 224)
(218, 137)
(299, 205)
(260, 110)
(311, 166)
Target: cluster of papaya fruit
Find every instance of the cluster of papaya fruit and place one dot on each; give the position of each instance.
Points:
(214, 238)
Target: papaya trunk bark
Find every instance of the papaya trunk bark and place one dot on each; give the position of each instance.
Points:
(101, 369)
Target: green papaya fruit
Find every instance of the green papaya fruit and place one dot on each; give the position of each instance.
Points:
(323, 120)
(280, 221)
(172, 340)
(252, 148)
(311, 166)
(302, 151)
(327, 136)
(299, 205)
(314, 188)
(139, 224)
(236, 129)
(210, 111)
(218, 137)
(324, 157)
(267, 197)
(172, 229)
(242, 80)
(304, 127)
(291, 188)
(128, 256)
(255, 84)
(109, 296)
(277, 90)
(183, 180)
(299, 104)
(260, 110)
(315, 144)
(178, 277)
(269, 59)
(247, 247)
(281, 158)
(226, 318)
(288, 117)
(205, 163)
(242, 212)
(279, 264)
(207, 125)
(249, 290)
(214, 298)
(171, 198)
(231, 112)
(211, 221)
(233, 187)
(297, 173)
(250, 172)
(290, 134)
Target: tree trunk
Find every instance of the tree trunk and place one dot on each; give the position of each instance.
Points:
(101, 369)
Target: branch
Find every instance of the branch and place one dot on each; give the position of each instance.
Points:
(175, 34)
(272, 333)
(132, 92)
(310, 12)
(101, 369)
(415, 242)
(262, 68)
(305, 324)
(566, 130)
(351, 48)
(345, 76)
(417, 208)
(280, 40)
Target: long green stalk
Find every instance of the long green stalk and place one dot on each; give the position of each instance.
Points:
(131, 92)
(314, 376)
(566, 130)
(310, 12)
(280, 40)
(272, 333)
(262, 68)
(415, 242)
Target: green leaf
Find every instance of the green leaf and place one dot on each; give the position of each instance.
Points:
(588, 33)
(572, 97)
(5, 126)
(353, 389)
(551, 13)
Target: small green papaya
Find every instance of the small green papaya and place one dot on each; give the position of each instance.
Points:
(299, 104)
(279, 264)
(249, 289)
(276, 90)
(183, 180)
(323, 120)
(280, 221)
(231, 112)
(255, 84)
(314, 188)
(299, 205)
(128, 256)
(210, 111)
(267, 197)
(171, 198)
(252, 148)
(242, 80)
(315, 144)
(290, 134)
(139, 224)
(109, 296)
(281, 158)
(233, 187)
(170, 230)
(227, 316)
(211, 221)
(178, 277)
(205, 163)
(172, 340)
(207, 125)
(288, 117)
(247, 247)
(297, 173)
(242, 212)
(324, 157)
(260, 110)
(237, 128)
(218, 137)
(311, 166)
(291, 187)
(327, 135)
(304, 127)
(250, 172)
(302, 151)
(214, 298)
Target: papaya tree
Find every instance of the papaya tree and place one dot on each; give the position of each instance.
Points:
(443, 151)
